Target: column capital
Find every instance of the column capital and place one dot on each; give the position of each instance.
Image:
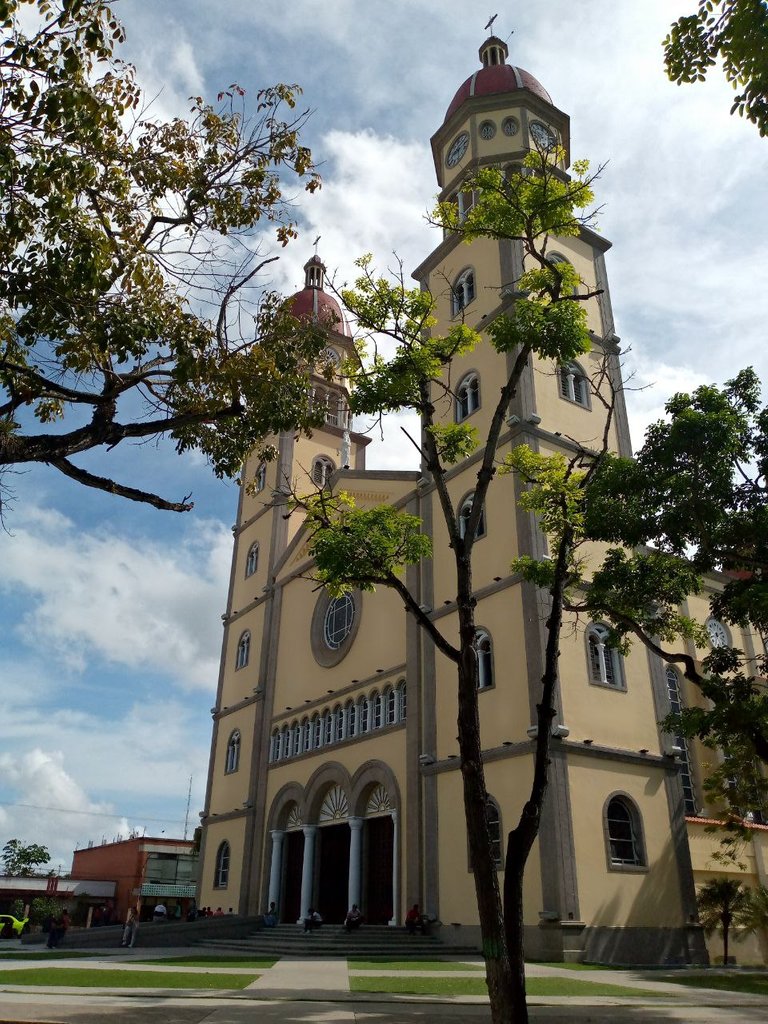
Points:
(309, 830)
(277, 834)
(355, 823)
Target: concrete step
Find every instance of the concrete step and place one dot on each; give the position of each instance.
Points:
(332, 941)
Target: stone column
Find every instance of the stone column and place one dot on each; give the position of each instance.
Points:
(307, 870)
(354, 893)
(395, 870)
(275, 873)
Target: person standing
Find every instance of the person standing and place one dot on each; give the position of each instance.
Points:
(130, 929)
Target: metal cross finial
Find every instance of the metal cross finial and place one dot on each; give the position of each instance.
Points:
(316, 242)
(491, 21)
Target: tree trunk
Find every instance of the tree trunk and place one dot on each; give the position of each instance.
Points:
(513, 920)
(490, 912)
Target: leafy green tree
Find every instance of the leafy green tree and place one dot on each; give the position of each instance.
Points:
(692, 502)
(43, 908)
(21, 859)
(368, 547)
(734, 32)
(722, 903)
(128, 267)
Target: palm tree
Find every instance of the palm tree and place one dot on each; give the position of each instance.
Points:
(755, 917)
(722, 902)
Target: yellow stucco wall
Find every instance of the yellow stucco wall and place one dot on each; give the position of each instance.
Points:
(232, 832)
(613, 896)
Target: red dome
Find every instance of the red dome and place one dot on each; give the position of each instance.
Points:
(498, 78)
(314, 302)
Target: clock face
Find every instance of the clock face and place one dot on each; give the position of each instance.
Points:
(457, 150)
(330, 355)
(542, 136)
(510, 126)
(718, 634)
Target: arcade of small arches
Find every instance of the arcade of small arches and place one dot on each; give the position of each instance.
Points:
(336, 842)
(369, 712)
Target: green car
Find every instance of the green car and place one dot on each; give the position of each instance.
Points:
(11, 927)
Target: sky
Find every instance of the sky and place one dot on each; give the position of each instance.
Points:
(110, 611)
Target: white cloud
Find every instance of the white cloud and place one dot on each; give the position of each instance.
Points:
(142, 604)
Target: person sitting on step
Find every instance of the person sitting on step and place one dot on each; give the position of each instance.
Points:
(312, 920)
(354, 919)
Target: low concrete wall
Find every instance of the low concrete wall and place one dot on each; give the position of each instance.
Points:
(157, 933)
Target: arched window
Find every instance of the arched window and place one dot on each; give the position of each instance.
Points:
(233, 753)
(364, 715)
(333, 409)
(402, 706)
(338, 723)
(306, 736)
(463, 291)
(320, 401)
(574, 386)
(604, 660)
(317, 731)
(557, 257)
(295, 739)
(465, 511)
(252, 561)
(261, 477)
(327, 728)
(274, 746)
(467, 396)
(350, 719)
(390, 706)
(675, 707)
(624, 833)
(484, 655)
(493, 819)
(377, 702)
(243, 650)
(285, 740)
(322, 471)
(221, 869)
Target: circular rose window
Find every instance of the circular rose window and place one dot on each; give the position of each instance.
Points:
(335, 622)
(339, 619)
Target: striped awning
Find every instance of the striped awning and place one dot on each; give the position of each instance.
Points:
(168, 889)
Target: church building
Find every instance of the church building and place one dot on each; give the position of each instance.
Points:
(334, 773)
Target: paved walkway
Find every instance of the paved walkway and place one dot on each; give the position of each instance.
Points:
(317, 991)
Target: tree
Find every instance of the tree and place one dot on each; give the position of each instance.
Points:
(692, 502)
(734, 31)
(21, 860)
(128, 308)
(722, 903)
(368, 547)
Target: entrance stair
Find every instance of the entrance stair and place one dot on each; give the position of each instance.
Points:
(370, 942)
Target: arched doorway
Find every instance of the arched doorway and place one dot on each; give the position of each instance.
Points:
(378, 857)
(333, 856)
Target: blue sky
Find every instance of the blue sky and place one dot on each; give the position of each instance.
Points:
(110, 611)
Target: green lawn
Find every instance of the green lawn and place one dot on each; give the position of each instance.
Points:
(477, 987)
(757, 984)
(65, 977)
(208, 961)
(412, 966)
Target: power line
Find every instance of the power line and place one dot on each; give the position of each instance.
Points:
(91, 814)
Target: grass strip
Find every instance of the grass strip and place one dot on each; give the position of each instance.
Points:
(413, 966)
(208, 961)
(477, 987)
(65, 977)
(754, 984)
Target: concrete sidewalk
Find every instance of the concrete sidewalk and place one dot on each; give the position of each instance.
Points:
(299, 990)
